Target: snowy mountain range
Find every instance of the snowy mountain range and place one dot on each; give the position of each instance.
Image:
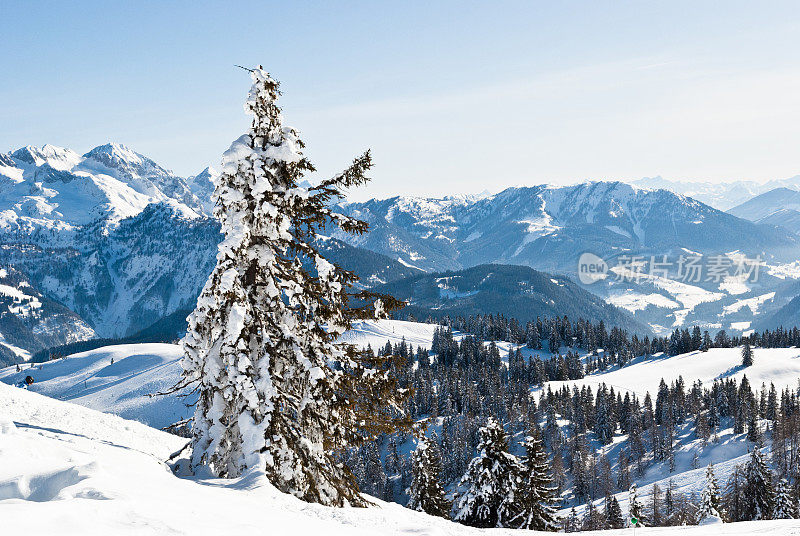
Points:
(30, 321)
(110, 242)
(119, 242)
(56, 188)
(549, 227)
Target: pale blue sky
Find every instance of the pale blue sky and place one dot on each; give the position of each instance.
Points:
(451, 96)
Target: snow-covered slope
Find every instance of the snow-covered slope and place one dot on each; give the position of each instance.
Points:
(377, 332)
(780, 366)
(767, 203)
(70, 470)
(518, 292)
(124, 387)
(139, 371)
(780, 206)
(692, 456)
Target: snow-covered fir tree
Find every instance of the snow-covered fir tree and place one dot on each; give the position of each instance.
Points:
(535, 504)
(374, 477)
(426, 493)
(655, 506)
(758, 495)
(491, 482)
(709, 499)
(593, 519)
(277, 393)
(571, 522)
(786, 506)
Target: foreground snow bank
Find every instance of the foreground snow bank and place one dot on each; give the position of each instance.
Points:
(66, 469)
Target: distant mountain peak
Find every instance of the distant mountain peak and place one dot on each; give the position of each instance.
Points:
(116, 149)
(54, 187)
(208, 173)
(122, 158)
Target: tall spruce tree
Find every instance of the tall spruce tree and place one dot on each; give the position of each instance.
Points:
(426, 491)
(491, 481)
(635, 508)
(747, 355)
(535, 500)
(277, 392)
(734, 499)
(593, 519)
(571, 522)
(759, 497)
(614, 518)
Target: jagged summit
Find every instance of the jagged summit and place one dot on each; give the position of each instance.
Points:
(127, 161)
(56, 188)
(58, 158)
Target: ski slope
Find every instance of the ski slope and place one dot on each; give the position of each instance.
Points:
(70, 470)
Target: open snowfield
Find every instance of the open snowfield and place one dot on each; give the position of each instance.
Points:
(65, 469)
(778, 365)
(377, 332)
